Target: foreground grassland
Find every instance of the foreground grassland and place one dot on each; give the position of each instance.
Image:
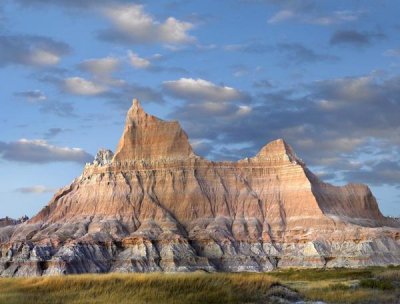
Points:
(370, 285)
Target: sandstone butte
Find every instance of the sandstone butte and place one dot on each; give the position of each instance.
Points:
(155, 205)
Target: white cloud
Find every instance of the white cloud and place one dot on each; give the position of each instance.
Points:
(100, 66)
(352, 90)
(174, 31)
(215, 107)
(281, 16)
(34, 96)
(335, 17)
(31, 50)
(81, 86)
(37, 189)
(133, 24)
(40, 151)
(201, 147)
(137, 61)
(243, 110)
(200, 89)
(223, 109)
(43, 58)
(327, 105)
(392, 53)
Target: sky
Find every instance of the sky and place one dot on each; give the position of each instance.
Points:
(323, 75)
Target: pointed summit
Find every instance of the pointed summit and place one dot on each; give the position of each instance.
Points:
(136, 103)
(136, 106)
(278, 149)
(135, 111)
(147, 137)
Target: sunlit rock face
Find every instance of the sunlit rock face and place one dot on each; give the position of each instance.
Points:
(156, 206)
(148, 138)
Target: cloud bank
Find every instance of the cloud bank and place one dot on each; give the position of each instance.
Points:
(31, 50)
(40, 151)
(131, 24)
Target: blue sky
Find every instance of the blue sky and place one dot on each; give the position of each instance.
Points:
(324, 75)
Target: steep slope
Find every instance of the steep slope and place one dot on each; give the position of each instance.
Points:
(156, 206)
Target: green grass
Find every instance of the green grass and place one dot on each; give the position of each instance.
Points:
(369, 285)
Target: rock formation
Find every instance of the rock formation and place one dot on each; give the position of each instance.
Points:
(156, 206)
(7, 221)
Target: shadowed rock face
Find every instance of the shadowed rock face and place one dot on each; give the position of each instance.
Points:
(156, 206)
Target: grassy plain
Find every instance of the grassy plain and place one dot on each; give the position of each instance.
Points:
(369, 285)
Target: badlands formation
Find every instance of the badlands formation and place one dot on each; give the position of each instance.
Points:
(155, 205)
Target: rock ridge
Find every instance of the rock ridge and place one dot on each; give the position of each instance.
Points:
(156, 206)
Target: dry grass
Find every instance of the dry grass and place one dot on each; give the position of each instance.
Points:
(299, 274)
(368, 285)
(137, 288)
(390, 274)
(359, 295)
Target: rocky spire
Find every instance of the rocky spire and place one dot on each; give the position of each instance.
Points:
(147, 137)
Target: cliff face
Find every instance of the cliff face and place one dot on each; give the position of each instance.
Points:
(156, 206)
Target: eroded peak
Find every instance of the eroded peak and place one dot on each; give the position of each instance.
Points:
(147, 137)
(135, 111)
(276, 149)
(136, 103)
(136, 106)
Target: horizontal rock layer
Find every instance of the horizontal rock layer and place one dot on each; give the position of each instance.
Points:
(156, 206)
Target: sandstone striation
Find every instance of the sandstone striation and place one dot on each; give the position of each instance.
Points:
(156, 206)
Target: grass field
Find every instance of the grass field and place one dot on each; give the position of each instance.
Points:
(370, 285)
